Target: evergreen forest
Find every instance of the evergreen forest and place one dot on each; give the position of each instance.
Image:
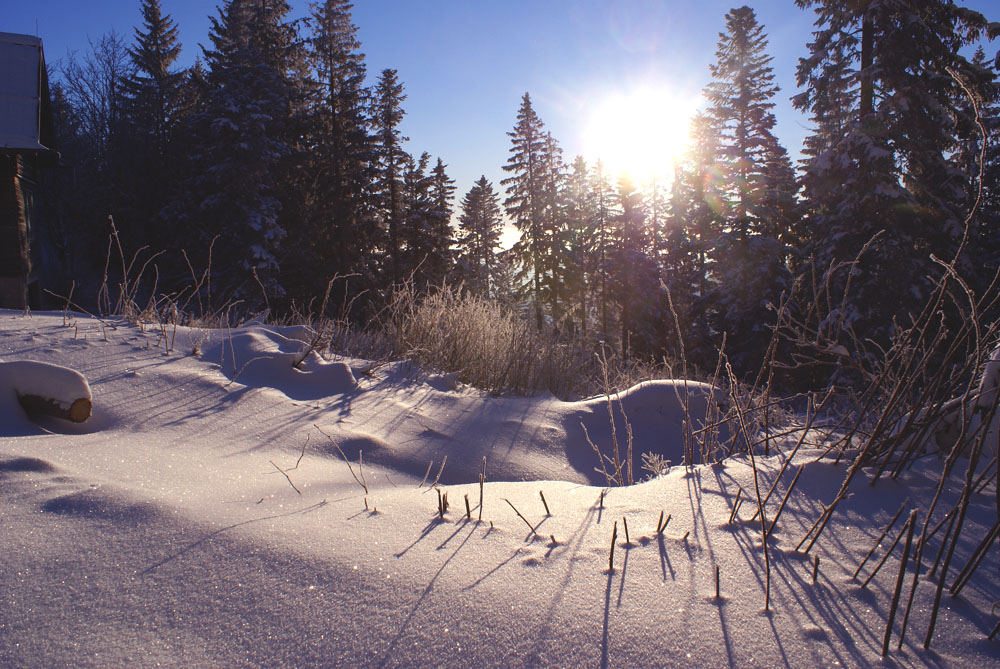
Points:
(273, 174)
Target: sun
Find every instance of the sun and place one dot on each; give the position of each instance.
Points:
(640, 133)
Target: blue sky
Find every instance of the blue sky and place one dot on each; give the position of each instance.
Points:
(466, 63)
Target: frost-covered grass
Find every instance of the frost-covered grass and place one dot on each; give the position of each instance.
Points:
(495, 349)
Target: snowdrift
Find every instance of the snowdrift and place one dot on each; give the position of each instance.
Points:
(279, 358)
(201, 518)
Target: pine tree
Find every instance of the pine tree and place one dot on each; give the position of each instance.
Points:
(699, 210)
(580, 214)
(391, 161)
(425, 235)
(740, 103)
(156, 88)
(414, 203)
(878, 86)
(339, 234)
(680, 268)
(242, 134)
(157, 106)
(634, 274)
(554, 229)
(480, 226)
(441, 236)
(777, 206)
(601, 249)
(971, 157)
(525, 201)
(657, 206)
(749, 269)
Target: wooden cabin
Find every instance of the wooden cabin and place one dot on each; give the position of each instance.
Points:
(26, 145)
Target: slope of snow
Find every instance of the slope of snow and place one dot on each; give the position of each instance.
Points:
(202, 517)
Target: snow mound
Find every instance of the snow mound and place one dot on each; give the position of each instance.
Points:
(25, 464)
(44, 379)
(58, 389)
(654, 411)
(279, 358)
(99, 504)
(206, 525)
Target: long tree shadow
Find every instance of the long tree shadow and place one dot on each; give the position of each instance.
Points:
(827, 609)
(388, 655)
(573, 546)
(665, 559)
(428, 528)
(491, 572)
(215, 533)
(720, 606)
(621, 581)
(605, 632)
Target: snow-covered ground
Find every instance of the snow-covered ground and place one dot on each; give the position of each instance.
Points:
(202, 517)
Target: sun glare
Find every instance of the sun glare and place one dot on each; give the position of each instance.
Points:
(640, 134)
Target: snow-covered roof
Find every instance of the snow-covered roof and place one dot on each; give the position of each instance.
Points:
(22, 85)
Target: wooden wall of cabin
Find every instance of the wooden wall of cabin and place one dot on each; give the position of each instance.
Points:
(15, 259)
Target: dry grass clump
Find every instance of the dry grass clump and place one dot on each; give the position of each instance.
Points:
(494, 349)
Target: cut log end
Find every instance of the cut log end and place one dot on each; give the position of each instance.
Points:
(78, 411)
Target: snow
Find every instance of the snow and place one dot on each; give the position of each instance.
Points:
(989, 381)
(201, 518)
(42, 379)
(262, 357)
(44, 388)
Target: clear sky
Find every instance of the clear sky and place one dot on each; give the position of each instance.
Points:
(466, 63)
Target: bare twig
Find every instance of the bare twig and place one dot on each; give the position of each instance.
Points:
(285, 474)
(899, 582)
(530, 526)
(360, 481)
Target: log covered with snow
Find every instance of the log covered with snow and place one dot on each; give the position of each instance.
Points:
(44, 388)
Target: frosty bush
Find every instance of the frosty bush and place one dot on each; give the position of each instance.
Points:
(494, 349)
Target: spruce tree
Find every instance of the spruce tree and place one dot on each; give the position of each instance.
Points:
(242, 134)
(391, 162)
(440, 235)
(680, 269)
(156, 109)
(740, 102)
(602, 246)
(339, 234)
(699, 210)
(633, 270)
(415, 204)
(972, 157)
(156, 87)
(425, 235)
(480, 226)
(879, 87)
(554, 229)
(580, 215)
(525, 201)
(760, 189)
(657, 207)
